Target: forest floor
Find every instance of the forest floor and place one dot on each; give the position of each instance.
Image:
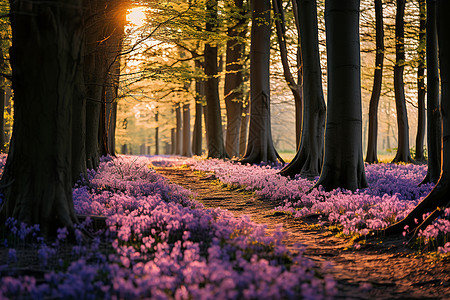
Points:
(383, 268)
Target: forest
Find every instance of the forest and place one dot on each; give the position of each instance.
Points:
(228, 149)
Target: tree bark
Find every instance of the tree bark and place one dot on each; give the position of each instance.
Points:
(111, 83)
(2, 118)
(434, 133)
(173, 138)
(371, 155)
(403, 152)
(94, 67)
(308, 160)
(216, 146)
(187, 146)
(2, 104)
(79, 168)
(197, 133)
(113, 28)
(179, 130)
(440, 195)
(156, 132)
(108, 116)
(421, 91)
(260, 145)
(244, 125)
(36, 183)
(234, 80)
(343, 161)
(8, 109)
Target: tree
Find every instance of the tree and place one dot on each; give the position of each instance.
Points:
(216, 147)
(371, 156)
(433, 112)
(5, 75)
(3, 99)
(244, 125)
(104, 23)
(187, 146)
(173, 149)
(156, 132)
(343, 161)
(179, 130)
(403, 153)
(438, 198)
(234, 78)
(308, 160)
(115, 29)
(421, 83)
(260, 145)
(36, 183)
(79, 162)
(94, 66)
(199, 95)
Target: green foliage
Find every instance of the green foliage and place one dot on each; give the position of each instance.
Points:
(412, 150)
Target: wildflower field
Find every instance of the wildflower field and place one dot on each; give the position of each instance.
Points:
(392, 193)
(160, 243)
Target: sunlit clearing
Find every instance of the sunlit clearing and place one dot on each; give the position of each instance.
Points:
(136, 16)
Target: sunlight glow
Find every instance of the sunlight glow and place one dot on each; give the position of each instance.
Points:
(136, 16)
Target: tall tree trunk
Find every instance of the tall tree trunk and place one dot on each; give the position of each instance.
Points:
(156, 132)
(114, 32)
(205, 118)
(434, 133)
(93, 109)
(187, 146)
(233, 82)
(438, 198)
(197, 133)
(343, 161)
(296, 87)
(403, 152)
(79, 168)
(173, 138)
(37, 182)
(421, 122)
(179, 130)
(108, 116)
(308, 160)
(371, 155)
(94, 67)
(244, 125)
(299, 100)
(260, 145)
(216, 147)
(8, 109)
(124, 149)
(2, 118)
(111, 121)
(2, 104)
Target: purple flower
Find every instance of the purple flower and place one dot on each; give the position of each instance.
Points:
(12, 255)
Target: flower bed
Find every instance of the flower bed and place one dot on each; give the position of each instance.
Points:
(393, 192)
(159, 243)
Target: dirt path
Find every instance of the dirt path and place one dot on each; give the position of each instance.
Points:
(383, 269)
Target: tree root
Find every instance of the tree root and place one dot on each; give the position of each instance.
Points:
(433, 216)
(434, 202)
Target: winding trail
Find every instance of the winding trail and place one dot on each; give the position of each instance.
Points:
(380, 269)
